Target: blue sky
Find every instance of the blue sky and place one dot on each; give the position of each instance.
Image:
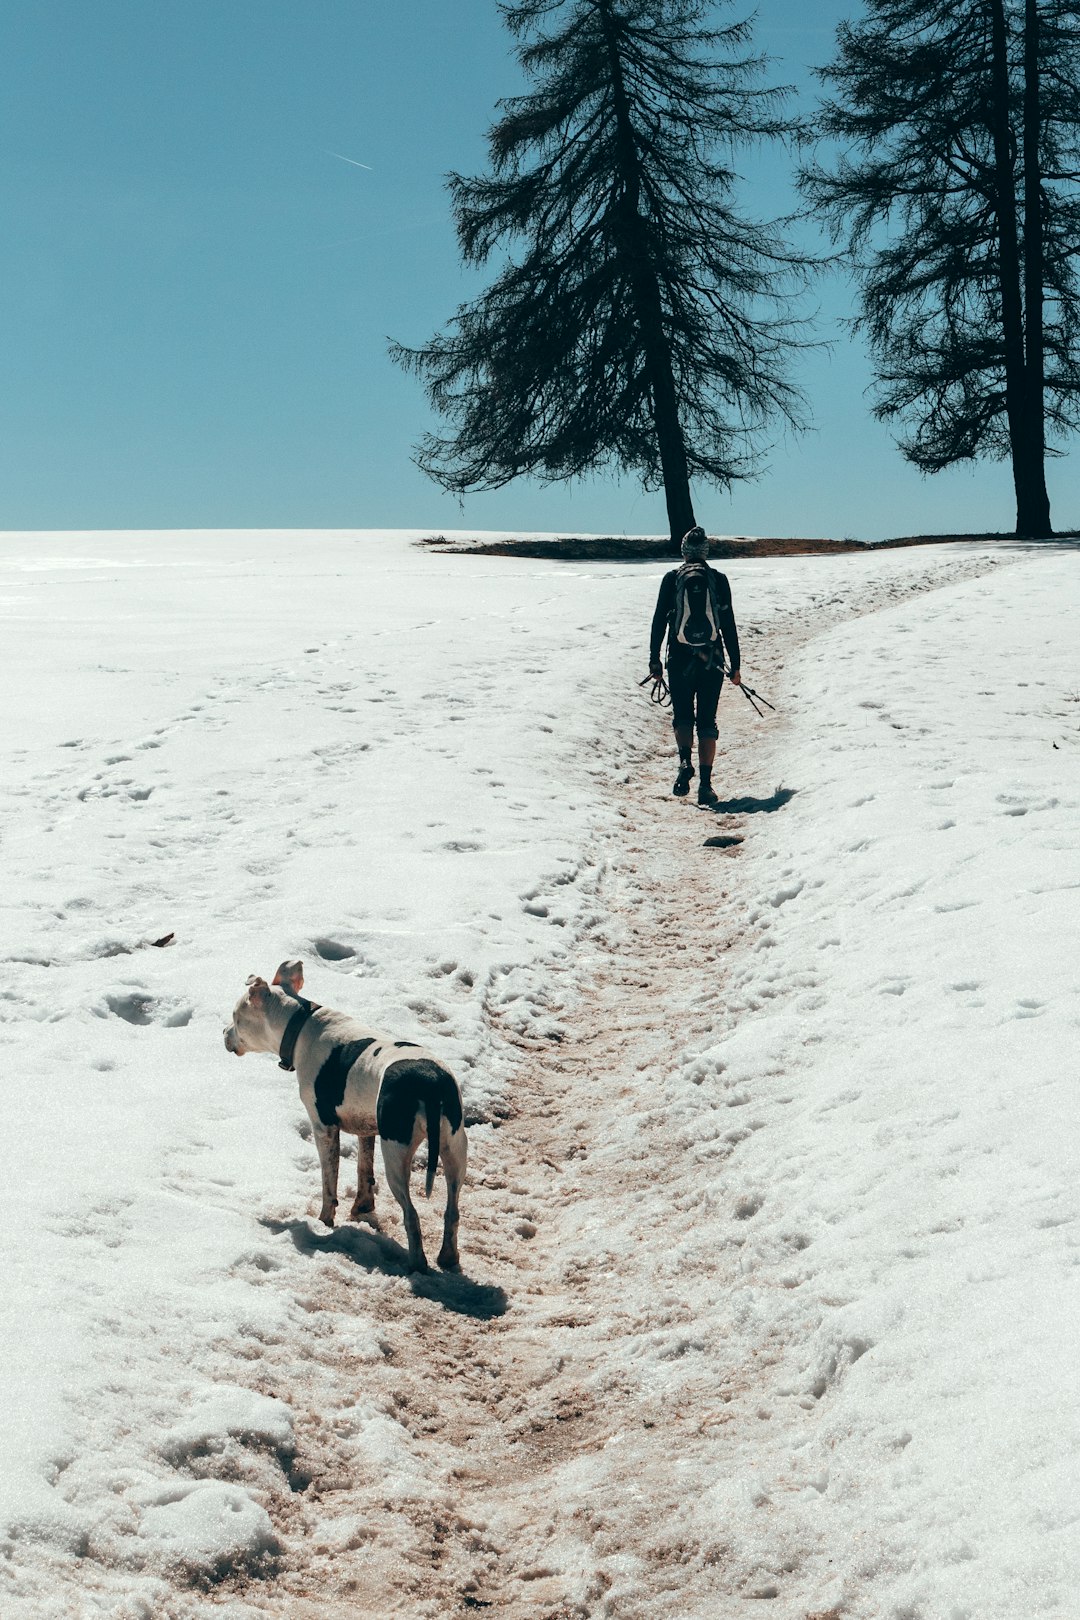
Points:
(197, 294)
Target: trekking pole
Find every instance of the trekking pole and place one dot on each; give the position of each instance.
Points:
(749, 694)
(659, 694)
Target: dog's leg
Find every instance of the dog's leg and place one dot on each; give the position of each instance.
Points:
(364, 1203)
(454, 1152)
(397, 1161)
(328, 1142)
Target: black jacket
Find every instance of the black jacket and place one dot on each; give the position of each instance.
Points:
(661, 621)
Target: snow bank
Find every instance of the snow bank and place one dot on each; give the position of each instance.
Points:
(204, 1529)
(230, 1414)
(902, 1044)
(336, 747)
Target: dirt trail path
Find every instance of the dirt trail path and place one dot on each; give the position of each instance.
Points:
(499, 1400)
(526, 1450)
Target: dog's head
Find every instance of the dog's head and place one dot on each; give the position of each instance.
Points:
(261, 1014)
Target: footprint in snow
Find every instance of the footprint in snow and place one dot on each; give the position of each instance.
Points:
(332, 950)
(138, 1006)
(126, 789)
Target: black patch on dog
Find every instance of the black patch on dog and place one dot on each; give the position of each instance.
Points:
(331, 1078)
(406, 1043)
(407, 1086)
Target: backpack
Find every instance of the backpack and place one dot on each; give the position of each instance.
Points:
(695, 617)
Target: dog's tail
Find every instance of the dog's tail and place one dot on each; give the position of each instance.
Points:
(434, 1124)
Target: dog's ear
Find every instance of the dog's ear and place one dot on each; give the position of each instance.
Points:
(290, 976)
(257, 988)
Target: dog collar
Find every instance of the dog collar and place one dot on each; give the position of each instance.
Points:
(292, 1030)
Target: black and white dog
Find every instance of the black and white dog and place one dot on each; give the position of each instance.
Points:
(358, 1080)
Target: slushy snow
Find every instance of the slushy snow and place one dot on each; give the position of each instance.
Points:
(772, 1238)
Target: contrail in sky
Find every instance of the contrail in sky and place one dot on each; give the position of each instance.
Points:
(344, 159)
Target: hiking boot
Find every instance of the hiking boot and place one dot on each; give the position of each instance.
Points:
(707, 794)
(682, 781)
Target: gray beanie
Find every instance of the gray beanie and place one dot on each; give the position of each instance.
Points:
(695, 545)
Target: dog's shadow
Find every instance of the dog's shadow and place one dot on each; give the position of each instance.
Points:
(374, 1251)
(748, 806)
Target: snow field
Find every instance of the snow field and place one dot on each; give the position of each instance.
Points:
(341, 753)
(904, 1018)
(865, 1229)
(820, 1261)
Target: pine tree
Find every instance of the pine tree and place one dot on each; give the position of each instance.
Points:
(956, 193)
(640, 320)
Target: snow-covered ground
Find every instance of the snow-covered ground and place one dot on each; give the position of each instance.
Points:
(772, 1247)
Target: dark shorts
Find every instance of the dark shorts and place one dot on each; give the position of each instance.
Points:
(695, 692)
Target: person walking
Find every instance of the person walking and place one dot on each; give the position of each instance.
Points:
(693, 608)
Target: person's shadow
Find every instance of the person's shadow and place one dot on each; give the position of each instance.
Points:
(374, 1251)
(748, 806)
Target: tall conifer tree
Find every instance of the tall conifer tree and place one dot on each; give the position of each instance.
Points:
(639, 319)
(957, 194)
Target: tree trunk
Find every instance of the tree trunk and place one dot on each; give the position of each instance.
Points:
(1035, 518)
(669, 437)
(1026, 463)
(648, 305)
